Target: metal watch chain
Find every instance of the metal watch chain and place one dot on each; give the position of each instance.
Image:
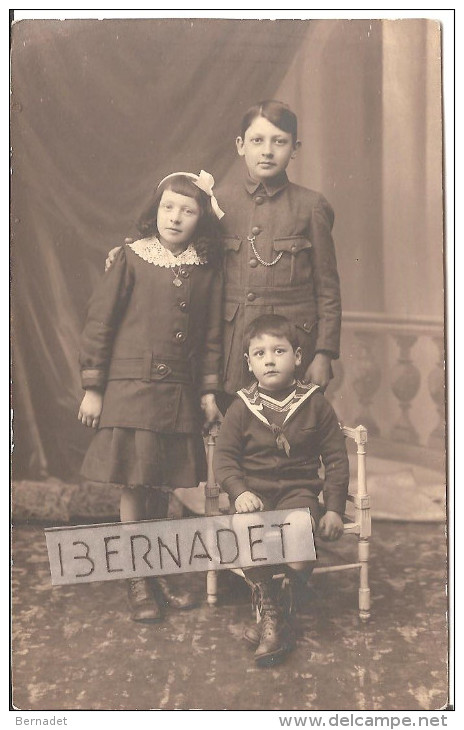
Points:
(252, 240)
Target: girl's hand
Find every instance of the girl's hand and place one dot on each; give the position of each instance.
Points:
(111, 256)
(91, 408)
(248, 502)
(210, 409)
(331, 526)
(318, 371)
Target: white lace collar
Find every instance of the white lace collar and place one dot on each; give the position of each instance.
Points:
(152, 251)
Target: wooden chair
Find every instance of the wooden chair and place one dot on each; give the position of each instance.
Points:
(358, 524)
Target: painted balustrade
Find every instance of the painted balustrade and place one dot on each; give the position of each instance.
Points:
(391, 377)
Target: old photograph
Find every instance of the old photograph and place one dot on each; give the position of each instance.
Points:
(229, 464)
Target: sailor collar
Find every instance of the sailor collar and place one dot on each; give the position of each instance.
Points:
(254, 402)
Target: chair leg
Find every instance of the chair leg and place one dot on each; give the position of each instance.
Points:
(211, 587)
(364, 590)
(211, 508)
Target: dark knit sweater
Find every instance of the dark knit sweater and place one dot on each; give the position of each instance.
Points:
(251, 454)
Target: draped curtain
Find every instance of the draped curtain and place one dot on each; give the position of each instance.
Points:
(335, 84)
(101, 111)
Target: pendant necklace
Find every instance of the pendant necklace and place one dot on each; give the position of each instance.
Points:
(177, 281)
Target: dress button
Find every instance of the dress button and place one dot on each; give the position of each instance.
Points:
(161, 369)
(180, 336)
(306, 326)
(294, 247)
(253, 263)
(259, 200)
(255, 230)
(251, 296)
(184, 273)
(183, 306)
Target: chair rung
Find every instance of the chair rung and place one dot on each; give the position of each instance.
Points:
(334, 568)
(351, 528)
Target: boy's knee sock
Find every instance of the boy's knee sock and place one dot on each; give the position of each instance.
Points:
(260, 579)
(299, 592)
(261, 574)
(299, 577)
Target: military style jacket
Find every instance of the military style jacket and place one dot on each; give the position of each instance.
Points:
(252, 455)
(279, 257)
(152, 341)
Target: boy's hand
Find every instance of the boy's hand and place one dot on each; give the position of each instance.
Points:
(318, 371)
(91, 408)
(111, 256)
(248, 502)
(331, 526)
(210, 410)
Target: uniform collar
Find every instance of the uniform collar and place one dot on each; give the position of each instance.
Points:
(272, 187)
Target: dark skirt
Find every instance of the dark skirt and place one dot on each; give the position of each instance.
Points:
(131, 457)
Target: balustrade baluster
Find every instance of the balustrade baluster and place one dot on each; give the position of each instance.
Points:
(372, 336)
(405, 382)
(436, 383)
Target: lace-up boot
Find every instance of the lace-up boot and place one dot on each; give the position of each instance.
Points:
(252, 634)
(273, 631)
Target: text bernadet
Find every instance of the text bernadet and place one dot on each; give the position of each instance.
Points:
(82, 554)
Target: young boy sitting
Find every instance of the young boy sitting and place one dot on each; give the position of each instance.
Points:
(268, 456)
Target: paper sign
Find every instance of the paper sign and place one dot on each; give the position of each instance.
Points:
(88, 553)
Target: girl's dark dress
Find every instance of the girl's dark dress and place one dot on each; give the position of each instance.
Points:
(152, 344)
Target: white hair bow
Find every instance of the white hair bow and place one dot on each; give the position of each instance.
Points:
(204, 181)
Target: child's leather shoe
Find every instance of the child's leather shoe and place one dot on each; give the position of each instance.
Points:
(174, 593)
(143, 605)
(273, 643)
(252, 635)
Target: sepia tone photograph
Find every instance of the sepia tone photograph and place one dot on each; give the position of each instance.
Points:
(227, 247)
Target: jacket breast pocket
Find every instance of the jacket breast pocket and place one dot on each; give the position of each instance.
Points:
(231, 246)
(294, 266)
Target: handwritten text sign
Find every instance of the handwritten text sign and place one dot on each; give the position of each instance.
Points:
(112, 551)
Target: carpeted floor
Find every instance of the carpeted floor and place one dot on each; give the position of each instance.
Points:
(75, 648)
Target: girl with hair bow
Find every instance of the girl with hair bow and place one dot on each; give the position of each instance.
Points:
(150, 357)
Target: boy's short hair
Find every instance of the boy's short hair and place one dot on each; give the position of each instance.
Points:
(271, 324)
(276, 112)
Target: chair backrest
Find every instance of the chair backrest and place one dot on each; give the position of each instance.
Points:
(359, 435)
(361, 499)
